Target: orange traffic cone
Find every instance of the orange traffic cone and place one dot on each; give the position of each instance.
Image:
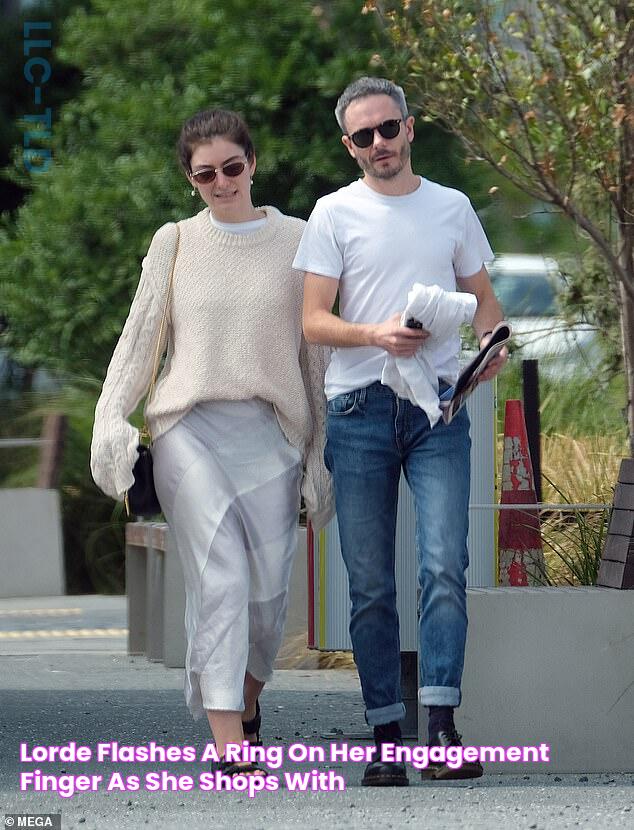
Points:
(521, 554)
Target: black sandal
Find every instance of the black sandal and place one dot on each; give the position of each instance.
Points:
(231, 768)
(250, 727)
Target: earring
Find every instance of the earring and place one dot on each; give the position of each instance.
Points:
(193, 191)
(251, 181)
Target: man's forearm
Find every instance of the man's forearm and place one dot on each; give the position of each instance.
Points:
(487, 316)
(326, 328)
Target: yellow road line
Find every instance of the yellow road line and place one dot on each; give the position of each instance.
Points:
(65, 632)
(40, 612)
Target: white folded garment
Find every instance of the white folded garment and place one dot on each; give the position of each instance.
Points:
(441, 313)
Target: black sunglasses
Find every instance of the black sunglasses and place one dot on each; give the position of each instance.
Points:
(232, 169)
(388, 129)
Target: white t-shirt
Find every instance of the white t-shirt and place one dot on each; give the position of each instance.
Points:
(251, 226)
(377, 247)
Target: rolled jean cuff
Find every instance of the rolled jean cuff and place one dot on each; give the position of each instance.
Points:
(439, 696)
(386, 714)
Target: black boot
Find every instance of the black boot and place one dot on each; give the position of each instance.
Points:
(442, 732)
(440, 720)
(380, 773)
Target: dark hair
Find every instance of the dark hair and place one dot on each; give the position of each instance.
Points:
(207, 125)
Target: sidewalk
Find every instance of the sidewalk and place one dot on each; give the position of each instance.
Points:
(76, 683)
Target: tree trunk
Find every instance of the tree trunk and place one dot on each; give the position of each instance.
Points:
(627, 330)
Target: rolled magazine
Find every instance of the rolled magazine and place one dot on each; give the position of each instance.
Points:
(454, 398)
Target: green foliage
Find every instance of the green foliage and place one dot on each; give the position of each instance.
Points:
(576, 406)
(521, 81)
(70, 257)
(583, 429)
(592, 294)
(70, 261)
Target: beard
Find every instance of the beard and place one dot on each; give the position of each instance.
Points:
(369, 167)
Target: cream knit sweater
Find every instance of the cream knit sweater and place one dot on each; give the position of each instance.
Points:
(234, 332)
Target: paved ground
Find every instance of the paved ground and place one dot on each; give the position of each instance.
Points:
(72, 681)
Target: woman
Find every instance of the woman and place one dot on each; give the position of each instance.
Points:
(237, 412)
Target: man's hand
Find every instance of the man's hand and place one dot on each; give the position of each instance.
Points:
(487, 315)
(496, 364)
(396, 339)
(322, 326)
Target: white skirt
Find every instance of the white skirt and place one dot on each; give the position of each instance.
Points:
(229, 484)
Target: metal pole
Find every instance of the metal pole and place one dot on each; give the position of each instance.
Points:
(530, 379)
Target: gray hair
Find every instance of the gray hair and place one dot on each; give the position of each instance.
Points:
(368, 86)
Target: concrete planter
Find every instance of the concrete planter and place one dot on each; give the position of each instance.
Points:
(554, 666)
(31, 548)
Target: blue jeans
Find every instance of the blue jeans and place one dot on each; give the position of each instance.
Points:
(372, 434)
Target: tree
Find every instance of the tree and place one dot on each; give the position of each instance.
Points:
(542, 91)
(69, 259)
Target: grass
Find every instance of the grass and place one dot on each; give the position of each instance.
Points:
(295, 654)
(582, 469)
(573, 543)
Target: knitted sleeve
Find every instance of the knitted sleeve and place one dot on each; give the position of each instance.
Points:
(317, 484)
(113, 450)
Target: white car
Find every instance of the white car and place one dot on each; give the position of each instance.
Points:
(528, 288)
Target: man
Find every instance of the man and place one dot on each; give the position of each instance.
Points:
(371, 241)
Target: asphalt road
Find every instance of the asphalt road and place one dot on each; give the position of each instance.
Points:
(61, 687)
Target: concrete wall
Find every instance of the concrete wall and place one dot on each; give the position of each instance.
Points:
(31, 548)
